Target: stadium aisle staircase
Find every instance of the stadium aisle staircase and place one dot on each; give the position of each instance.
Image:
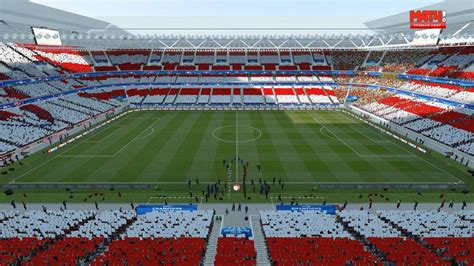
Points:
(259, 241)
(360, 237)
(211, 249)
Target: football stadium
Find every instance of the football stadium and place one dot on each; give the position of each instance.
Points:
(236, 133)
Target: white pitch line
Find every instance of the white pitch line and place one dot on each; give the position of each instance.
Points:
(86, 156)
(299, 197)
(43, 163)
(125, 183)
(136, 138)
(386, 140)
(29, 171)
(233, 141)
(367, 136)
(62, 155)
(138, 118)
(237, 146)
(357, 153)
(442, 170)
(108, 135)
(423, 159)
(151, 132)
(355, 182)
(112, 155)
(171, 198)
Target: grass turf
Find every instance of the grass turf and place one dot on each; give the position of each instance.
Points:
(300, 147)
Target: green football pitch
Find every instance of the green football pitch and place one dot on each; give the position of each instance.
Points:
(302, 148)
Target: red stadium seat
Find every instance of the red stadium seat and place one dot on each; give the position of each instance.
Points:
(235, 251)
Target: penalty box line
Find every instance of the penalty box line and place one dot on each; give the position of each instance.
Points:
(355, 151)
(137, 137)
(106, 136)
(416, 155)
(63, 154)
(367, 136)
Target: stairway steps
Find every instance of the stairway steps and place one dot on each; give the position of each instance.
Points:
(259, 242)
(211, 249)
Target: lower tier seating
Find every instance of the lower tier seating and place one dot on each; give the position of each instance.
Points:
(67, 251)
(235, 251)
(451, 126)
(14, 250)
(405, 251)
(318, 251)
(153, 251)
(454, 249)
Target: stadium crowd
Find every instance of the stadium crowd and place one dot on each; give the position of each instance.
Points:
(114, 237)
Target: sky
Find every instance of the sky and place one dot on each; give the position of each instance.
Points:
(139, 16)
(101, 8)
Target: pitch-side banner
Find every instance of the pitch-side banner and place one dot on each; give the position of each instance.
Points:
(142, 209)
(329, 209)
(236, 231)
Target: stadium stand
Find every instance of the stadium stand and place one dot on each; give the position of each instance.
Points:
(438, 121)
(235, 251)
(353, 237)
(310, 237)
(306, 99)
(153, 251)
(451, 127)
(109, 237)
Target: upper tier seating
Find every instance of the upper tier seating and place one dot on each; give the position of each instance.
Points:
(347, 60)
(27, 61)
(67, 58)
(204, 58)
(21, 65)
(128, 59)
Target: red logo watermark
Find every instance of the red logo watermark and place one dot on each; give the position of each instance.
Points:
(427, 19)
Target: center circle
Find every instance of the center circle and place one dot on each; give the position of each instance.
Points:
(236, 133)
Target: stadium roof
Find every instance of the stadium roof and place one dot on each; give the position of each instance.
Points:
(460, 16)
(253, 33)
(18, 16)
